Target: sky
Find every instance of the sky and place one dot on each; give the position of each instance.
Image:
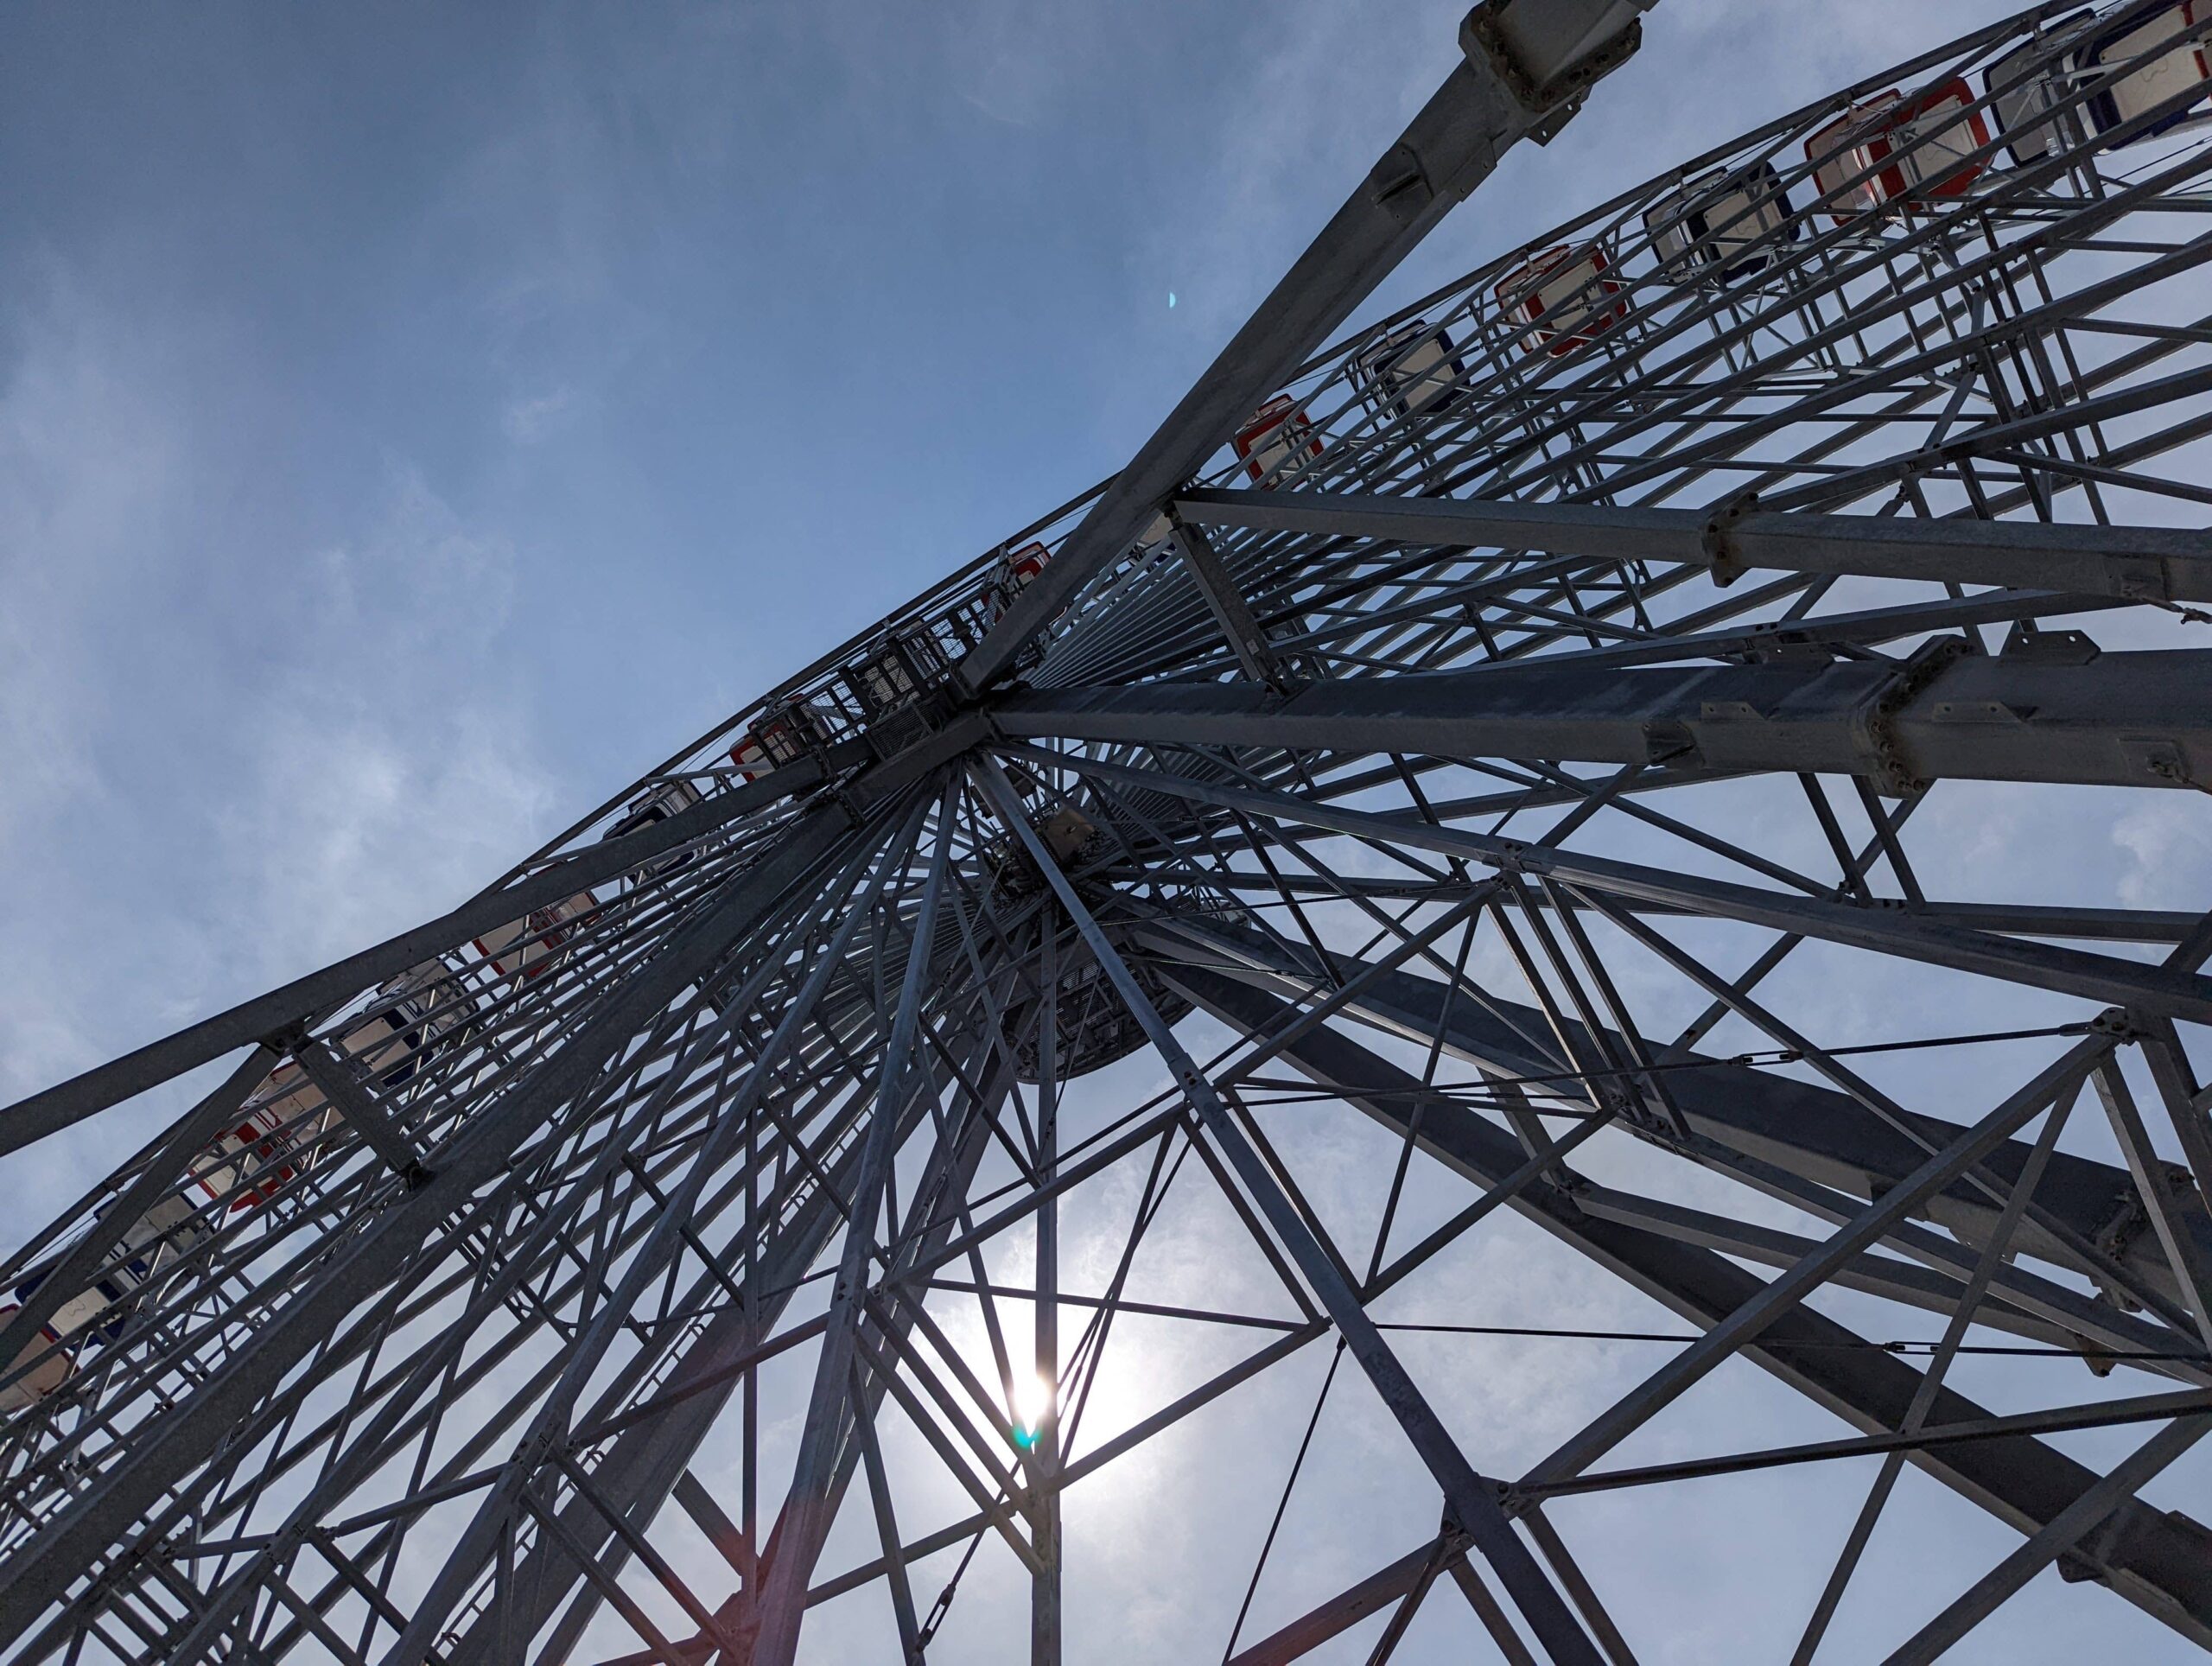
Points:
(417, 420)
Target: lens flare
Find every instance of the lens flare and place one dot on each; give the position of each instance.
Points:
(1032, 1404)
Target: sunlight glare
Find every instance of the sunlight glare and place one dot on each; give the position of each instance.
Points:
(1032, 1404)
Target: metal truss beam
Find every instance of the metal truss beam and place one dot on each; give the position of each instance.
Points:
(1820, 1134)
(644, 1465)
(1469, 1497)
(44, 1568)
(2157, 989)
(2135, 563)
(2121, 719)
(51, 1109)
(1541, 58)
(2159, 1561)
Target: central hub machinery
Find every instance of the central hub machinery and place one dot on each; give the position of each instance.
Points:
(1093, 1025)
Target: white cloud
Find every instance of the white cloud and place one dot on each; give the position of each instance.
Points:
(529, 420)
(227, 753)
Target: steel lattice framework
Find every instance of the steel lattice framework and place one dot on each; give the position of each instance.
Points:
(1570, 653)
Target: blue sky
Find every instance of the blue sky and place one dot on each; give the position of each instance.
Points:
(415, 421)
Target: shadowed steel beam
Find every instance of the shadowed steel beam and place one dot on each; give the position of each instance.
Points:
(809, 1506)
(2121, 720)
(1816, 1132)
(2053, 1540)
(360, 1107)
(1247, 640)
(1472, 1500)
(2157, 1560)
(1343, 1611)
(2138, 564)
(2160, 989)
(1528, 63)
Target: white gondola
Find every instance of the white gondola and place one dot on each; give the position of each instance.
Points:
(2158, 67)
(409, 1015)
(171, 1228)
(2027, 84)
(1564, 295)
(1899, 148)
(1277, 442)
(1408, 369)
(1729, 224)
(532, 946)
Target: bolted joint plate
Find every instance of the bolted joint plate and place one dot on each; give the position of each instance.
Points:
(1548, 53)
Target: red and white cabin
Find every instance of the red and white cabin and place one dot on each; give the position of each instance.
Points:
(784, 736)
(1277, 433)
(1564, 296)
(750, 757)
(1016, 571)
(1910, 149)
(249, 1163)
(171, 1228)
(532, 946)
(1023, 565)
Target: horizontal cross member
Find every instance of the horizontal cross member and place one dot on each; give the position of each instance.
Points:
(2145, 563)
(2118, 720)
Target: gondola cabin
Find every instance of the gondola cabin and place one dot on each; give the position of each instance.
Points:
(40, 1380)
(1408, 369)
(1564, 296)
(250, 1162)
(1731, 226)
(1899, 149)
(1277, 442)
(896, 670)
(2025, 87)
(1016, 571)
(2153, 61)
(532, 946)
(407, 1018)
(657, 803)
(749, 757)
(173, 1227)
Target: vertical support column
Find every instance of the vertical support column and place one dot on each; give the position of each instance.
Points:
(1045, 1585)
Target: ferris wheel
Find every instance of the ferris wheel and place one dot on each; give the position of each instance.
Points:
(1623, 827)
